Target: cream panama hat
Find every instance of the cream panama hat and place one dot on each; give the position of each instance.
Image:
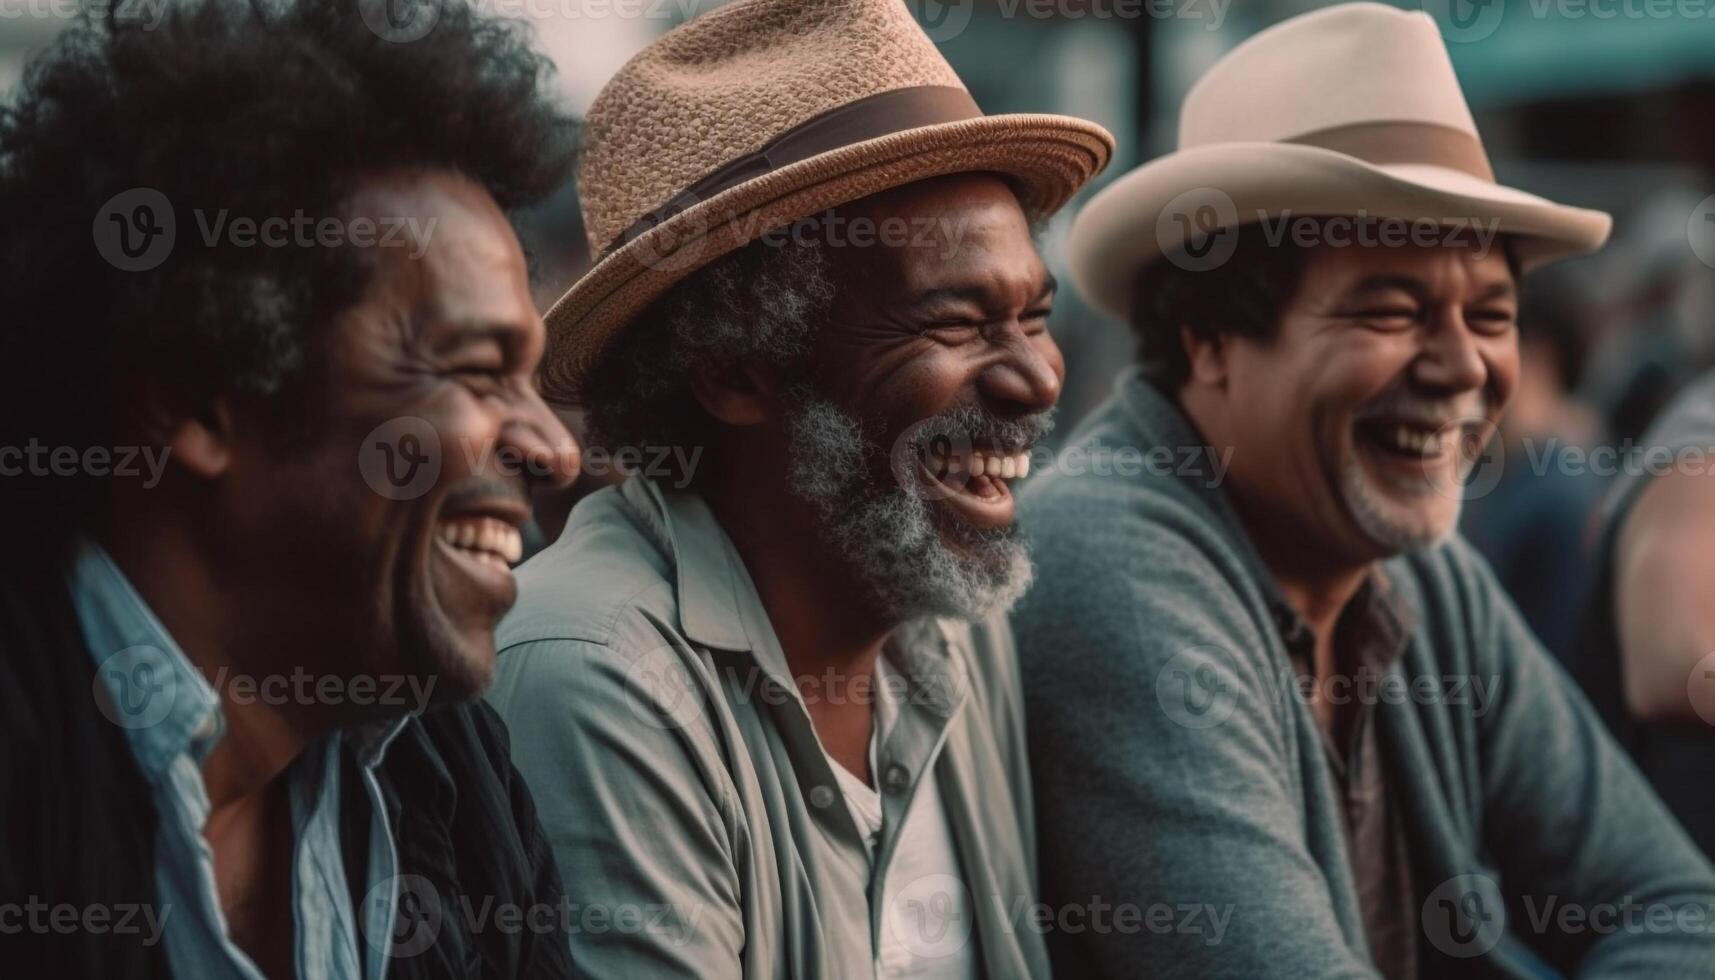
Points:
(762, 112)
(1352, 110)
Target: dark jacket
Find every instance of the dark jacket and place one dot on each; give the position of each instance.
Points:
(464, 822)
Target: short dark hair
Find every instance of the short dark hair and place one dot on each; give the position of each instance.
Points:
(1243, 296)
(258, 108)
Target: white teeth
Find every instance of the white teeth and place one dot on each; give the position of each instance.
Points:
(489, 540)
(1416, 440)
(511, 544)
(1011, 467)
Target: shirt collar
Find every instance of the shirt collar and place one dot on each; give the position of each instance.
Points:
(145, 683)
(369, 742)
(1379, 618)
(719, 606)
(150, 688)
(715, 595)
(1382, 607)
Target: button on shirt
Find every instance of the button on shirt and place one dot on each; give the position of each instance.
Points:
(685, 792)
(171, 717)
(1370, 637)
(925, 932)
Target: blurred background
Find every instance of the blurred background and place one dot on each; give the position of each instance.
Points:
(1599, 103)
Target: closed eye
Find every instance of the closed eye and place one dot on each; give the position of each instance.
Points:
(1388, 317)
(1491, 321)
(484, 379)
(952, 329)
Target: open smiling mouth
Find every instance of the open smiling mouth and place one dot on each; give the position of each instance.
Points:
(487, 540)
(479, 548)
(976, 482)
(1416, 450)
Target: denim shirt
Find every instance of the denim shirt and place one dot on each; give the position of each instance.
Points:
(171, 717)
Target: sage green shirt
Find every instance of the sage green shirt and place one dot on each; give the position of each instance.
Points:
(698, 824)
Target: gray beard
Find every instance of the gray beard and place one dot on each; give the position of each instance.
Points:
(887, 534)
(1395, 535)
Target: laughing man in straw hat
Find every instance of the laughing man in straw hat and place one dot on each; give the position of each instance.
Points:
(1278, 694)
(767, 700)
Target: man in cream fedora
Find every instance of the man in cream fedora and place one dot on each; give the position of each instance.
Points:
(1286, 718)
(767, 704)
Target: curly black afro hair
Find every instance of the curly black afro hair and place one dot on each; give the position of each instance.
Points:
(267, 108)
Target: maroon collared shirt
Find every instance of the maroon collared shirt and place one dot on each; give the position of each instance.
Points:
(1369, 637)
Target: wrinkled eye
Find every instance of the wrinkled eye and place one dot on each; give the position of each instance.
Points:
(1388, 318)
(957, 331)
(1494, 321)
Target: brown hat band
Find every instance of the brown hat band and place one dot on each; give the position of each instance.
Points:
(1383, 143)
(868, 118)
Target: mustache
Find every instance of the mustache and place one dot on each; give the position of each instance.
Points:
(1402, 403)
(482, 489)
(970, 425)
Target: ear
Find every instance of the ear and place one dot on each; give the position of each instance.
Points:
(1207, 357)
(199, 441)
(742, 394)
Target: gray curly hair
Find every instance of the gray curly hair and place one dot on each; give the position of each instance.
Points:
(764, 304)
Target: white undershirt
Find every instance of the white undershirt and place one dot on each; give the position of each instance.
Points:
(926, 928)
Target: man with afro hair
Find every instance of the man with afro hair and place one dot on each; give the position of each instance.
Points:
(268, 431)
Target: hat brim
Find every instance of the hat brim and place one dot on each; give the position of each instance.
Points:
(1050, 157)
(1144, 214)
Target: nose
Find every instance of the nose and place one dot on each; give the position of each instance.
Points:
(1026, 377)
(549, 449)
(1450, 359)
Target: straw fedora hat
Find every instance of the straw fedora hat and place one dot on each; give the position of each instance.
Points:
(762, 112)
(1351, 110)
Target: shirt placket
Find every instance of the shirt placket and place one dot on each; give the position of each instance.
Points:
(907, 757)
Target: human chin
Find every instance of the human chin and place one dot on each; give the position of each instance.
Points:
(1395, 514)
(458, 586)
(439, 642)
(913, 556)
(1406, 465)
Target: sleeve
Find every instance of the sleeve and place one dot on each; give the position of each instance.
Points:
(1600, 877)
(1162, 759)
(642, 839)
